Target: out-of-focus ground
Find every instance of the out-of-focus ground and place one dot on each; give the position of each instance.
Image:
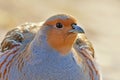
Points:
(99, 18)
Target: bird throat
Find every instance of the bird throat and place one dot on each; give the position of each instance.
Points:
(60, 41)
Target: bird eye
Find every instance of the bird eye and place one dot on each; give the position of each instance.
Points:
(59, 25)
(73, 24)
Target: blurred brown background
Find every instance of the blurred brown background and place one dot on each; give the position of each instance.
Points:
(99, 18)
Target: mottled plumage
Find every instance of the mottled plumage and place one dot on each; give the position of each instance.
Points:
(40, 51)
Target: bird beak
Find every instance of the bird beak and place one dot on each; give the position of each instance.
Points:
(76, 29)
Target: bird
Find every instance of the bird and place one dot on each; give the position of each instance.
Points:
(55, 49)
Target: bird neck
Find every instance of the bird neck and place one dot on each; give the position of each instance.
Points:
(53, 41)
(62, 42)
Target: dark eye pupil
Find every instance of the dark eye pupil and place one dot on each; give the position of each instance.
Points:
(59, 25)
(73, 26)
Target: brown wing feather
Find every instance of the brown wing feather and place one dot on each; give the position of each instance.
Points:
(83, 42)
(85, 52)
(13, 47)
(23, 34)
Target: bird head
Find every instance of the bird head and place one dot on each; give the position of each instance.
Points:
(62, 31)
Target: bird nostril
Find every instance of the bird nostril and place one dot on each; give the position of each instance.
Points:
(73, 27)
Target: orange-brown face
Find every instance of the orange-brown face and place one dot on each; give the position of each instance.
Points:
(58, 35)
